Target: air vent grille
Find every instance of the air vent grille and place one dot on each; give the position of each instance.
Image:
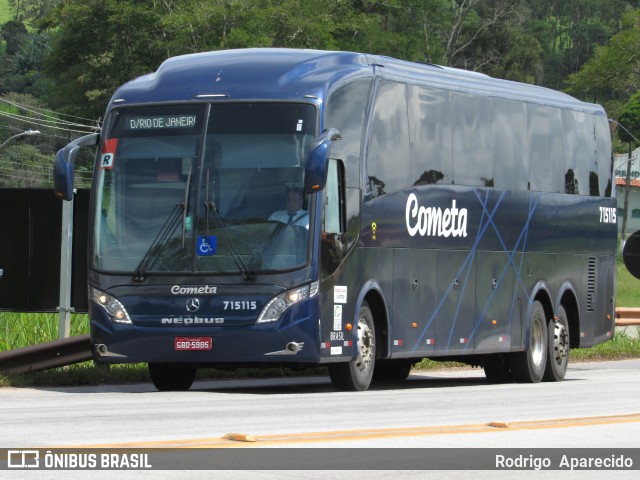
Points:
(591, 284)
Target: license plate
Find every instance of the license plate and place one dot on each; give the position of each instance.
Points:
(193, 343)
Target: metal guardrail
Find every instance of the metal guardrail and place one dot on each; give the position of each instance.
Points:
(46, 355)
(627, 316)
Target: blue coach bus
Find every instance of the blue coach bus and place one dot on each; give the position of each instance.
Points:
(296, 208)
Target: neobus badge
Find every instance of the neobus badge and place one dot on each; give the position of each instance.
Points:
(194, 290)
(435, 222)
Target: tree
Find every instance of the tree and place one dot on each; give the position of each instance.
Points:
(471, 34)
(471, 19)
(504, 48)
(629, 118)
(614, 69)
(12, 32)
(31, 11)
(97, 46)
(100, 44)
(570, 30)
(24, 70)
(196, 25)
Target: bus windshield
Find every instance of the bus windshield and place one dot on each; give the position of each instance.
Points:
(203, 188)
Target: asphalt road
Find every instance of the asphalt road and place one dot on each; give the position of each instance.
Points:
(597, 406)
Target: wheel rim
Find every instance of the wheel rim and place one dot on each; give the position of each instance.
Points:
(537, 343)
(366, 346)
(560, 343)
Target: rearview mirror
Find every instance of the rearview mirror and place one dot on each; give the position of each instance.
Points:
(63, 165)
(317, 161)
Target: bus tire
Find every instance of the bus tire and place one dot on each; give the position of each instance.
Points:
(356, 375)
(529, 366)
(171, 378)
(558, 348)
(392, 370)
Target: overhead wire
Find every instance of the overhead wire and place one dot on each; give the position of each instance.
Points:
(17, 129)
(48, 119)
(53, 126)
(37, 110)
(46, 123)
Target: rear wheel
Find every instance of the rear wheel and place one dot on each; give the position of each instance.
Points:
(558, 348)
(529, 366)
(171, 378)
(357, 374)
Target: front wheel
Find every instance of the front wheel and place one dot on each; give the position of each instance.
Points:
(356, 375)
(529, 366)
(171, 378)
(558, 348)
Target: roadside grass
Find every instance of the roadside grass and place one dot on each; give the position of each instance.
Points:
(628, 288)
(621, 346)
(19, 330)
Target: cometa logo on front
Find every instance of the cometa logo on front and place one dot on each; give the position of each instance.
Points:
(435, 222)
(193, 290)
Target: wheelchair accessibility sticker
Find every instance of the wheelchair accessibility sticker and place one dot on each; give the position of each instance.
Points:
(207, 245)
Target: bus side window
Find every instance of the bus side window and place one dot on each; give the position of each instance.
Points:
(471, 136)
(388, 159)
(579, 151)
(333, 241)
(546, 149)
(509, 139)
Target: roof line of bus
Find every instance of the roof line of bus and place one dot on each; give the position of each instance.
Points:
(478, 83)
(301, 65)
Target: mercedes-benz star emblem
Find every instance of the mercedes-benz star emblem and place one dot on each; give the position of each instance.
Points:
(193, 304)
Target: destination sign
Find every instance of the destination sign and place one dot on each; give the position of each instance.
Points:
(160, 122)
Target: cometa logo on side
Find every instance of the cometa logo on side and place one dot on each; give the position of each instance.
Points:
(435, 221)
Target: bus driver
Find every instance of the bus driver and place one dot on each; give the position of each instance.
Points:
(293, 214)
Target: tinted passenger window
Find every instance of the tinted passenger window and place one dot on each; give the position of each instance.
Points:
(604, 157)
(579, 151)
(546, 152)
(470, 122)
(510, 149)
(346, 111)
(388, 165)
(430, 134)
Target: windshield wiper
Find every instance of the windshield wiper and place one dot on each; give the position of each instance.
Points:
(178, 213)
(242, 266)
(164, 234)
(184, 210)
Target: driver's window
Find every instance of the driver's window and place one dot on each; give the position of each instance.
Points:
(332, 207)
(333, 245)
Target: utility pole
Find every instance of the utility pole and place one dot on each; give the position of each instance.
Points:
(627, 187)
(66, 258)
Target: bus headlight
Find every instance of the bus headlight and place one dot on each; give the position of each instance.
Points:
(280, 303)
(113, 307)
